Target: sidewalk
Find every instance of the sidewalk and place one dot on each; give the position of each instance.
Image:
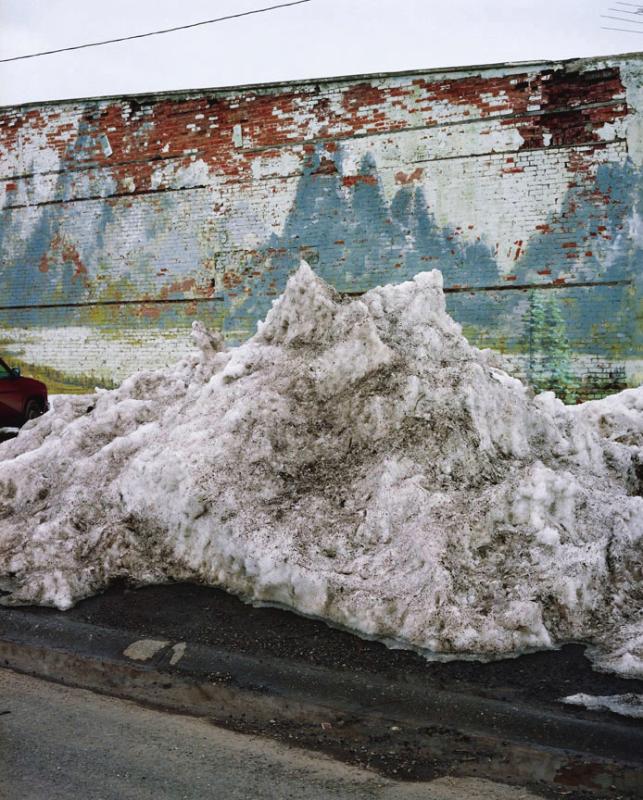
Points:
(200, 651)
(61, 743)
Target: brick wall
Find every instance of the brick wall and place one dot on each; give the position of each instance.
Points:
(123, 219)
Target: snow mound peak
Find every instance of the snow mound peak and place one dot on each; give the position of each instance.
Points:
(305, 312)
(356, 460)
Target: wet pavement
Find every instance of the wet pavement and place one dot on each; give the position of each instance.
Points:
(203, 615)
(268, 671)
(60, 743)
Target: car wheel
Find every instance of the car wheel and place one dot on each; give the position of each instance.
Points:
(33, 409)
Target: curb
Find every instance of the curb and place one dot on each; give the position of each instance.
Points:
(469, 735)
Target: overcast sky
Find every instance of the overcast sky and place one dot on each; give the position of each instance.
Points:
(318, 38)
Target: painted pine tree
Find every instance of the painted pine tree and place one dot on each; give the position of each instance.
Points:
(548, 346)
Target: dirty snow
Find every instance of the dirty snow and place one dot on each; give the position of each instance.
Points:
(627, 705)
(356, 460)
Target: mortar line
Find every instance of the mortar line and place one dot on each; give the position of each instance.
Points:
(219, 298)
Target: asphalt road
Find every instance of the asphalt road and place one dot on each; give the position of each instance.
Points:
(58, 743)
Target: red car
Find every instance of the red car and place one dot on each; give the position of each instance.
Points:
(21, 399)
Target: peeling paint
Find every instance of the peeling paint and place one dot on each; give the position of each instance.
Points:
(121, 219)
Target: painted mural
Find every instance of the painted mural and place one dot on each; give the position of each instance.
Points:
(124, 220)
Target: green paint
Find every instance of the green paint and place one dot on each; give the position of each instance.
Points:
(548, 346)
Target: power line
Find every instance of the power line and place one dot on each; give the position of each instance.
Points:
(623, 30)
(626, 19)
(620, 19)
(156, 33)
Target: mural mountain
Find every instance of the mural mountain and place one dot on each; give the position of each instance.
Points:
(355, 239)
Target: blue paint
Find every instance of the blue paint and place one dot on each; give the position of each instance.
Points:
(356, 240)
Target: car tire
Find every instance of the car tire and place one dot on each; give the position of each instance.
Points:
(33, 409)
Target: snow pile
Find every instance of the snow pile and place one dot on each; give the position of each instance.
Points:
(356, 460)
(627, 705)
